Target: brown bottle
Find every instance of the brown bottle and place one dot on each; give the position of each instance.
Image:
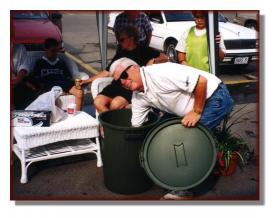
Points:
(77, 83)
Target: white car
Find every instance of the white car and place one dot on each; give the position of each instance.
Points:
(247, 19)
(241, 43)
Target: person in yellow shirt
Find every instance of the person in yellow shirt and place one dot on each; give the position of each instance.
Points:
(193, 46)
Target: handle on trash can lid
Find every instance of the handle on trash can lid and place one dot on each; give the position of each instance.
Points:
(141, 159)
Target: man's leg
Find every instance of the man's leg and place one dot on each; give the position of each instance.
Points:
(118, 103)
(23, 96)
(78, 93)
(218, 106)
(102, 103)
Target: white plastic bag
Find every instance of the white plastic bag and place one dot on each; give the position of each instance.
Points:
(47, 101)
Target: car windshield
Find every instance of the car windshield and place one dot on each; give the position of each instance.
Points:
(175, 16)
(30, 15)
(221, 18)
(171, 16)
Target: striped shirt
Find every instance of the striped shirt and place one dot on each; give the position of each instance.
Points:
(141, 22)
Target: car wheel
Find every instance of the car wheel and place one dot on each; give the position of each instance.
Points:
(171, 52)
(251, 24)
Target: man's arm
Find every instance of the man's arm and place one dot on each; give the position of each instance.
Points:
(160, 59)
(66, 71)
(116, 33)
(182, 58)
(148, 38)
(222, 48)
(140, 110)
(200, 93)
(34, 79)
(181, 48)
(19, 77)
(103, 73)
(148, 29)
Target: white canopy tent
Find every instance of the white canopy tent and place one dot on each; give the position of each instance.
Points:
(102, 22)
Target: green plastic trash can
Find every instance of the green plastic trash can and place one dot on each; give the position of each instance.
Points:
(120, 152)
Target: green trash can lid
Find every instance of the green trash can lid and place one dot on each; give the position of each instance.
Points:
(176, 157)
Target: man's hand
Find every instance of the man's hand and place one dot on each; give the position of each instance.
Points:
(218, 38)
(84, 82)
(33, 87)
(19, 78)
(221, 52)
(184, 63)
(191, 119)
(150, 62)
(200, 93)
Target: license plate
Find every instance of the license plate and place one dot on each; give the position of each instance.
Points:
(241, 60)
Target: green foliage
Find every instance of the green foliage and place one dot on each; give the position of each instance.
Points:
(227, 143)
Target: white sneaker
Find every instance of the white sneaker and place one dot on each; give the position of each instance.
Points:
(178, 195)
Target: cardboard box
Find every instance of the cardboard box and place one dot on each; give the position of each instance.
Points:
(27, 118)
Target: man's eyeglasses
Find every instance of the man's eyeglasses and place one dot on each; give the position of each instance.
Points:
(124, 74)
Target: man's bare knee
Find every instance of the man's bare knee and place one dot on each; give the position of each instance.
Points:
(101, 102)
(118, 103)
(98, 101)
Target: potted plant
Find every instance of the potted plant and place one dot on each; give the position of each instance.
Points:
(228, 145)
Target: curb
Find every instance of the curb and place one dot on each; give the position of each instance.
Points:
(235, 82)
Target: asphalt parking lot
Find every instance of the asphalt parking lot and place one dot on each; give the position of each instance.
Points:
(78, 178)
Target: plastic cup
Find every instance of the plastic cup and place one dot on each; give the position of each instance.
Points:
(71, 109)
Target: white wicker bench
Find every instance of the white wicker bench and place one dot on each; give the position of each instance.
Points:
(72, 136)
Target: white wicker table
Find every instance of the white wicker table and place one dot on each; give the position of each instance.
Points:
(72, 136)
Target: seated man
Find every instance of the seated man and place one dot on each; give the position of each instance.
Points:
(23, 91)
(187, 92)
(50, 71)
(114, 96)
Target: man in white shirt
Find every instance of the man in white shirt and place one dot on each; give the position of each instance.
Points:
(175, 89)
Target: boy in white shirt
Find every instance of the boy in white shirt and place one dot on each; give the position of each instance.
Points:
(193, 45)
